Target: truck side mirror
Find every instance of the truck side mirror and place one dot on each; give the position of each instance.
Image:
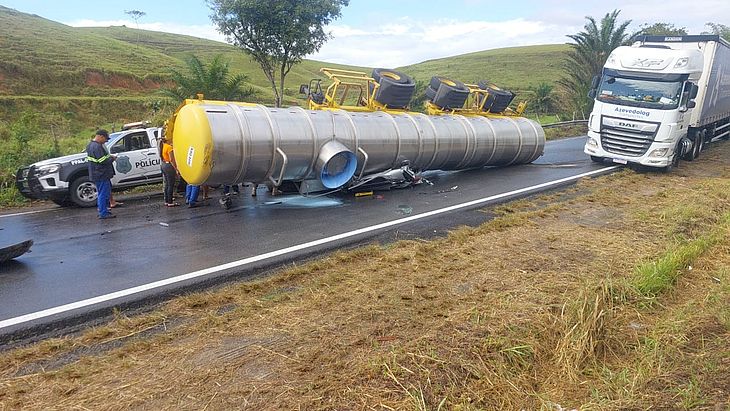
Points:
(595, 81)
(592, 93)
(691, 104)
(693, 91)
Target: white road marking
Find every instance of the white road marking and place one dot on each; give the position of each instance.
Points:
(45, 210)
(201, 273)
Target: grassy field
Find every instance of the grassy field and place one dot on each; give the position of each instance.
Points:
(515, 68)
(611, 295)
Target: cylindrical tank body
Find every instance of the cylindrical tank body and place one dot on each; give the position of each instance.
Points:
(223, 142)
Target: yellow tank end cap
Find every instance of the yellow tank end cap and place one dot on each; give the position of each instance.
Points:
(192, 143)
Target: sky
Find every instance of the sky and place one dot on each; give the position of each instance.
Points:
(387, 33)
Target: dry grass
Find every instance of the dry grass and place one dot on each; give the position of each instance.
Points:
(536, 309)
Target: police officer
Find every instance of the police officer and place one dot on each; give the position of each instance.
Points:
(101, 171)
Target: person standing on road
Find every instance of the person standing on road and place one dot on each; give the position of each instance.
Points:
(101, 171)
(169, 171)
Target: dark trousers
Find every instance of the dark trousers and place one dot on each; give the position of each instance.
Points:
(168, 181)
(104, 191)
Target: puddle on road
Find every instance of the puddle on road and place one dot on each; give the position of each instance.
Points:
(304, 202)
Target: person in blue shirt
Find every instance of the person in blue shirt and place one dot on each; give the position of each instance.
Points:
(101, 171)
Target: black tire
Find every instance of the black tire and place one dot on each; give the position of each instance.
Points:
(430, 93)
(63, 201)
(597, 159)
(82, 192)
(449, 94)
(696, 143)
(395, 76)
(700, 142)
(502, 98)
(675, 160)
(396, 89)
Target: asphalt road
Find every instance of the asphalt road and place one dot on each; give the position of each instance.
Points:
(80, 266)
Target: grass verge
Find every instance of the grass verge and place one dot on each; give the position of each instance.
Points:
(543, 307)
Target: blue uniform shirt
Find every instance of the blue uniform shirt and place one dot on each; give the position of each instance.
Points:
(100, 162)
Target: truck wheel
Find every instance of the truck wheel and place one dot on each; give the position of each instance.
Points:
(675, 160)
(696, 147)
(83, 192)
(700, 142)
(597, 159)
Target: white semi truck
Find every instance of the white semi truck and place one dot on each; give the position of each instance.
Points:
(660, 100)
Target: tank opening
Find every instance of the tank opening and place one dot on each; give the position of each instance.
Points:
(338, 170)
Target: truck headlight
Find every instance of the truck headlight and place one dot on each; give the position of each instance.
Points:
(592, 143)
(47, 169)
(659, 152)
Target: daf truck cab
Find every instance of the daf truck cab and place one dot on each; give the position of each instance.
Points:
(660, 100)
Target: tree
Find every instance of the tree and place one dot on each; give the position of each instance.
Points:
(212, 80)
(719, 29)
(543, 99)
(277, 34)
(588, 55)
(661, 29)
(136, 15)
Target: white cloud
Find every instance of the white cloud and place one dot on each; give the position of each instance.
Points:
(411, 41)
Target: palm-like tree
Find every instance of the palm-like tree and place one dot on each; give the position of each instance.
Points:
(588, 55)
(212, 80)
(543, 99)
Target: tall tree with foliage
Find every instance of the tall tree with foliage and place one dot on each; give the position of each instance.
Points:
(587, 56)
(719, 29)
(213, 80)
(661, 29)
(277, 34)
(136, 15)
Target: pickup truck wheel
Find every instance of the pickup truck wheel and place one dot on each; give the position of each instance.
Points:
(597, 159)
(62, 201)
(83, 192)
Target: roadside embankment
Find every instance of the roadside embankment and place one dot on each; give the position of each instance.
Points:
(613, 294)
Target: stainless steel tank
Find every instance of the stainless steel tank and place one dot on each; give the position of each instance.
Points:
(223, 142)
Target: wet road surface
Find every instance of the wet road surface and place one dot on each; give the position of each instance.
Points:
(80, 264)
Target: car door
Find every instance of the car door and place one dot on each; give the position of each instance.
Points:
(136, 160)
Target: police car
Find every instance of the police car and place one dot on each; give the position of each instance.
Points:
(65, 180)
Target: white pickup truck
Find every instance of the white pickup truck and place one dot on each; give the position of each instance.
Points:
(65, 180)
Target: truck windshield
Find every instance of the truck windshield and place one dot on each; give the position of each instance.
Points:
(662, 95)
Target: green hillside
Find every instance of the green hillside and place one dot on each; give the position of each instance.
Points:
(516, 68)
(39, 57)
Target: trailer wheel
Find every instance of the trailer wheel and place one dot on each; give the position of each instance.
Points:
(396, 89)
(430, 93)
(394, 76)
(83, 192)
(449, 94)
(501, 98)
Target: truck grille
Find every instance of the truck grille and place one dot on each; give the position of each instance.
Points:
(627, 137)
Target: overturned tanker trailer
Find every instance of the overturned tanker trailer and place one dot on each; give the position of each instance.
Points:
(333, 145)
